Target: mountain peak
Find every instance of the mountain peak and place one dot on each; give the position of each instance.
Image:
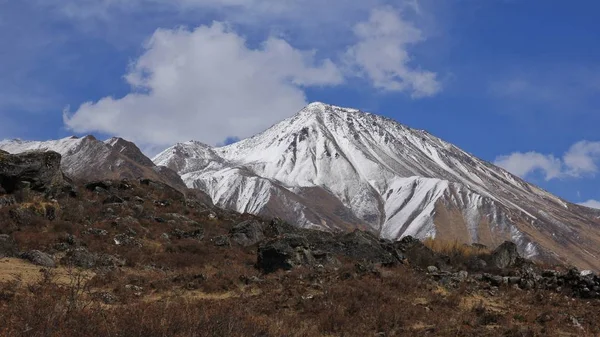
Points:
(320, 107)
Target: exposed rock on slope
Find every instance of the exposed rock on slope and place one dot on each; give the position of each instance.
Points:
(338, 169)
(39, 171)
(87, 159)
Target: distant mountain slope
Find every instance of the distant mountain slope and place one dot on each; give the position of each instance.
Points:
(338, 168)
(89, 159)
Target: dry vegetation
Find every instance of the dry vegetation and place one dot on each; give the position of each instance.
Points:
(191, 287)
(454, 248)
(391, 302)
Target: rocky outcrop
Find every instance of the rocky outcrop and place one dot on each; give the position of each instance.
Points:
(8, 246)
(506, 255)
(288, 247)
(39, 258)
(38, 171)
(247, 233)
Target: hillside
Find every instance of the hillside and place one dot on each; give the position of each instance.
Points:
(139, 258)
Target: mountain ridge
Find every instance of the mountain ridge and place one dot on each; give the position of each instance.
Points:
(395, 180)
(88, 158)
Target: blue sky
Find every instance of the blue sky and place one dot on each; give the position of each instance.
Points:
(513, 82)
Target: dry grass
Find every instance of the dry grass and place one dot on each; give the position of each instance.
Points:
(394, 302)
(189, 287)
(454, 248)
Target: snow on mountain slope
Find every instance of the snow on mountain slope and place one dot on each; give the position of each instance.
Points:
(89, 159)
(368, 170)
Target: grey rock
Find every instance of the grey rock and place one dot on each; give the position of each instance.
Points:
(35, 170)
(432, 269)
(7, 200)
(39, 258)
(80, 257)
(247, 233)
(221, 241)
(8, 246)
(506, 255)
(126, 240)
(96, 232)
(113, 199)
(197, 234)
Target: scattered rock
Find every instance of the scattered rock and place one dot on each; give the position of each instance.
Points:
(418, 254)
(105, 297)
(39, 258)
(247, 233)
(113, 199)
(34, 170)
(126, 240)
(99, 185)
(8, 246)
(289, 251)
(162, 203)
(95, 232)
(221, 241)
(275, 255)
(7, 200)
(197, 234)
(80, 257)
(506, 255)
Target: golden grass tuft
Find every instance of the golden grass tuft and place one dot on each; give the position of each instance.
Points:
(454, 247)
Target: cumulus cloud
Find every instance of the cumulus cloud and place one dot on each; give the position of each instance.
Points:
(522, 164)
(206, 84)
(591, 204)
(382, 54)
(579, 161)
(582, 158)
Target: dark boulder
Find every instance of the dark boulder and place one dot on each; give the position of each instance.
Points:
(103, 185)
(506, 255)
(39, 258)
(80, 257)
(286, 253)
(221, 241)
(279, 227)
(197, 234)
(247, 233)
(113, 199)
(7, 200)
(418, 254)
(35, 170)
(365, 246)
(8, 246)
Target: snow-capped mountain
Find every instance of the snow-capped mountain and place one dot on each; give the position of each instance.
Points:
(337, 168)
(89, 159)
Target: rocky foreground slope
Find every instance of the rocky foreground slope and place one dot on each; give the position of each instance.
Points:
(339, 169)
(139, 258)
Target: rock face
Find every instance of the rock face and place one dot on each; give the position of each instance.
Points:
(39, 258)
(342, 169)
(86, 159)
(8, 246)
(39, 171)
(247, 233)
(506, 255)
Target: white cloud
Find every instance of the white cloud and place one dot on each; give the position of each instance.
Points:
(591, 204)
(579, 161)
(206, 84)
(381, 53)
(522, 164)
(582, 157)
